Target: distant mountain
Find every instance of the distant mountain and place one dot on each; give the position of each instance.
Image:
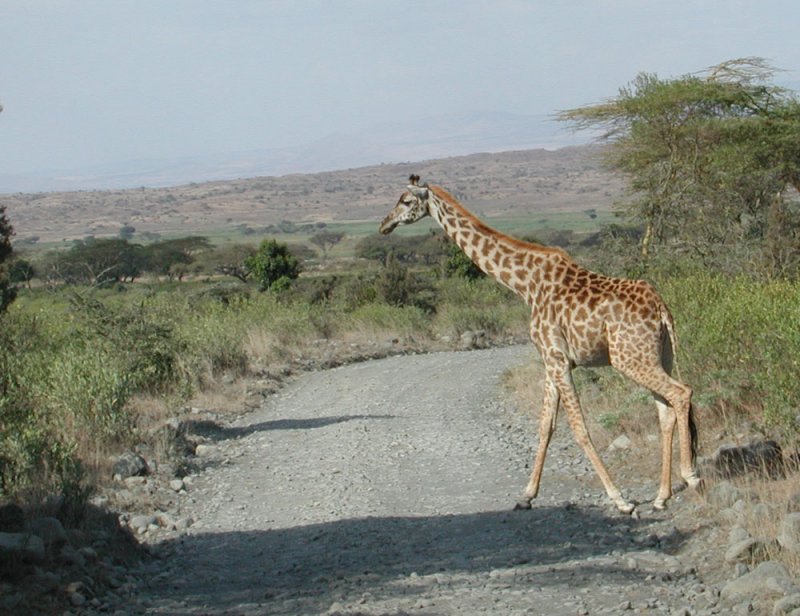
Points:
(434, 137)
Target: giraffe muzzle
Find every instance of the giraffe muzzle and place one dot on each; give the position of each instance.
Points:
(387, 226)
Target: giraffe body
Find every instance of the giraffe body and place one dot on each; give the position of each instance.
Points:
(578, 317)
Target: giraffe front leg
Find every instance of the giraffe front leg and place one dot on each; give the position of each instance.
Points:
(547, 425)
(569, 399)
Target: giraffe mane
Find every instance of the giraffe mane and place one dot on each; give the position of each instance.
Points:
(482, 227)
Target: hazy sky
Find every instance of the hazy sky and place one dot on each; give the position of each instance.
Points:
(86, 82)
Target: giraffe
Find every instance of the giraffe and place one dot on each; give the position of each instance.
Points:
(578, 317)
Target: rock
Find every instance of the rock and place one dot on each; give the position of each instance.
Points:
(46, 581)
(177, 485)
(731, 516)
(787, 605)
(203, 450)
(76, 599)
(100, 501)
(71, 556)
(140, 522)
(12, 518)
(129, 464)
(621, 443)
(763, 458)
(165, 521)
(768, 579)
(747, 551)
(736, 534)
(49, 530)
(88, 553)
(723, 494)
(135, 482)
(22, 546)
(789, 533)
(473, 339)
(652, 560)
(183, 523)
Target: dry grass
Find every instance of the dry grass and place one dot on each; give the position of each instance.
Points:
(527, 385)
(766, 502)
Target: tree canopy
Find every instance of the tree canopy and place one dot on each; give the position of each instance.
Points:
(710, 159)
(7, 290)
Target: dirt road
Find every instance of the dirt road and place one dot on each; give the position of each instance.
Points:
(387, 487)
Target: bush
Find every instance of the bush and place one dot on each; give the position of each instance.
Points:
(740, 342)
(459, 264)
(399, 286)
(273, 265)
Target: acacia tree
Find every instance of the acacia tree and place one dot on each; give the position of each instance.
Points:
(231, 260)
(167, 257)
(97, 262)
(7, 291)
(326, 240)
(709, 158)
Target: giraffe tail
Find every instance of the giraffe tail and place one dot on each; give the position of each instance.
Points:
(692, 434)
(669, 325)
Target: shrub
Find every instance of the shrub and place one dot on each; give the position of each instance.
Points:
(740, 342)
(273, 265)
(459, 264)
(399, 286)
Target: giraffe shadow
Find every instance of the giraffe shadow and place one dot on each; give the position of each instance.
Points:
(392, 557)
(217, 432)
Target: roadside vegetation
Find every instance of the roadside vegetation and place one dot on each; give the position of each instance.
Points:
(91, 334)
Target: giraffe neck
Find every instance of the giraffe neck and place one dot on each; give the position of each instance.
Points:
(521, 266)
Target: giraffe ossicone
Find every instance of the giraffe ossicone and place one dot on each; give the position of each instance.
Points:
(578, 317)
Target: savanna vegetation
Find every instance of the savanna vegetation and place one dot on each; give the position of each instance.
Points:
(712, 218)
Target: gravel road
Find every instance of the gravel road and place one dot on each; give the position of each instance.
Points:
(387, 487)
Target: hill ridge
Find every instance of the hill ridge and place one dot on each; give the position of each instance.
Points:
(503, 184)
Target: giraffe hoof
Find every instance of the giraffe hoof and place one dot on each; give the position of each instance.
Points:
(660, 504)
(523, 505)
(626, 507)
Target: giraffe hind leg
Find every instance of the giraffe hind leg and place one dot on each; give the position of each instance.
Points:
(667, 420)
(673, 400)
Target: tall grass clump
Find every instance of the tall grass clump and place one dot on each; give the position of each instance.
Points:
(482, 304)
(62, 397)
(740, 343)
(379, 320)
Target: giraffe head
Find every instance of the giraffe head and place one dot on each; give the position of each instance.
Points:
(412, 205)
